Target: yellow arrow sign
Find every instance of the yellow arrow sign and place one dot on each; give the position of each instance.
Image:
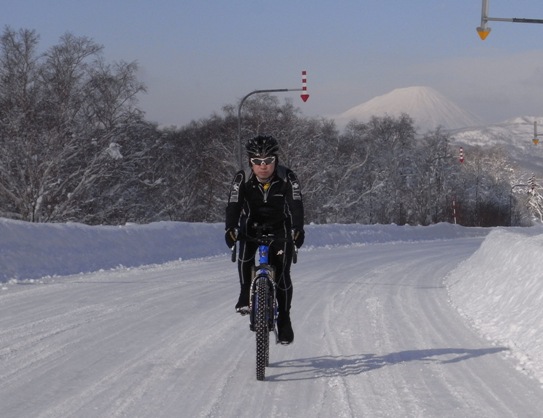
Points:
(483, 32)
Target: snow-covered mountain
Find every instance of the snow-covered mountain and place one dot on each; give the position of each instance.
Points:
(515, 136)
(426, 106)
(430, 109)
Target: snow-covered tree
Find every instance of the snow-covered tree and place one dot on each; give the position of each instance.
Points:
(60, 113)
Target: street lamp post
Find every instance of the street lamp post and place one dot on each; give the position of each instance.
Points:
(239, 116)
(484, 30)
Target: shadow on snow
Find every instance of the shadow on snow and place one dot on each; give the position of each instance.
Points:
(341, 366)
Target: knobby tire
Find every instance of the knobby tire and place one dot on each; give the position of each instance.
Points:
(262, 328)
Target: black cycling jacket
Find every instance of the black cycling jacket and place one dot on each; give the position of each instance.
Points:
(278, 205)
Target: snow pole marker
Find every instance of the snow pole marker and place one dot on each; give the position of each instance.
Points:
(304, 94)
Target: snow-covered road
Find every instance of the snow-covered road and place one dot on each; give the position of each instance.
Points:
(375, 337)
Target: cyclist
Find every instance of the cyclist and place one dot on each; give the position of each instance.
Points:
(267, 194)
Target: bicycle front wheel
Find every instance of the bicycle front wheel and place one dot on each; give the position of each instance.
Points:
(262, 328)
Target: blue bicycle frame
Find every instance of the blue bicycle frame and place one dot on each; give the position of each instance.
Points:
(263, 252)
(264, 269)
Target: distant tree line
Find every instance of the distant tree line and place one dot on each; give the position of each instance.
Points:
(76, 147)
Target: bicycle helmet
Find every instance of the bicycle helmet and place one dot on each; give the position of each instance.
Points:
(262, 146)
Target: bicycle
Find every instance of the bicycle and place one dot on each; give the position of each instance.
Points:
(263, 301)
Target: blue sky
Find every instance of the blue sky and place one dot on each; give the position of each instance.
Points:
(196, 56)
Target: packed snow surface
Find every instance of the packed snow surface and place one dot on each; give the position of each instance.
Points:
(390, 321)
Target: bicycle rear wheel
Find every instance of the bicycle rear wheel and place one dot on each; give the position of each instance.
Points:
(262, 328)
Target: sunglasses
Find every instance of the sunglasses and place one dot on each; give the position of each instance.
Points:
(262, 161)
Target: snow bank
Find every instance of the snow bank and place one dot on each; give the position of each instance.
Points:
(29, 250)
(499, 289)
(32, 250)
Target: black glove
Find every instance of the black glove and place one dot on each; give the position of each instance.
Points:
(298, 236)
(231, 236)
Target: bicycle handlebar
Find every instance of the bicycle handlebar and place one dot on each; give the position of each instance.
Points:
(266, 239)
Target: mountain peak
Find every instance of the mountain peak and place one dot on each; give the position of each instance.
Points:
(426, 106)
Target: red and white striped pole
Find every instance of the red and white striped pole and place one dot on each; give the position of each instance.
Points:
(304, 94)
(461, 158)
